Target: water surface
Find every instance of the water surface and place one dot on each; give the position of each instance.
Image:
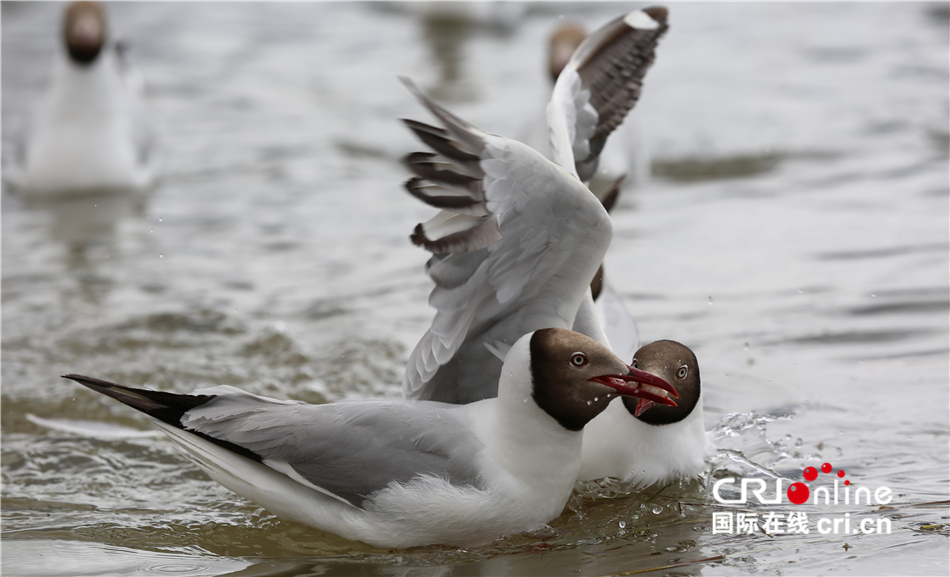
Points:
(794, 234)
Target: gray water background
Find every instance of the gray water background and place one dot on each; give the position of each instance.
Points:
(795, 234)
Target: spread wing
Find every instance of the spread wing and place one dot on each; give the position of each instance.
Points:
(599, 86)
(516, 244)
(518, 238)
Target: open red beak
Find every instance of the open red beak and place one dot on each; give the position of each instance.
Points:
(650, 389)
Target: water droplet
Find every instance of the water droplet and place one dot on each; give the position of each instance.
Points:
(622, 524)
(588, 402)
(159, 219)
(873, 296)
(596, 399)
(727, 374)
(161, 255)
(800, 291)
(811, 473)
(826, 468)
(745, 347)
(656, 509)
(710, 300)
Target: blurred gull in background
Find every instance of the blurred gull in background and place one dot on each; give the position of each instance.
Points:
(90, 133)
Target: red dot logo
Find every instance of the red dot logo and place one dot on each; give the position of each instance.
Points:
(798, 493)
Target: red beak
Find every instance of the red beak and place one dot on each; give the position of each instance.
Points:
(644, 383)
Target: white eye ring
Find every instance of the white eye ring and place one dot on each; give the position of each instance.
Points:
(579, 359)
(635, 364)
(682, 372)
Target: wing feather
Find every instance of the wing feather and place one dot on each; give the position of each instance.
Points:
(351, 449)
(599, 86)
(347, 451)
(546, 230)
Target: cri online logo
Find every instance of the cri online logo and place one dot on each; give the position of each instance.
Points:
(798, 493)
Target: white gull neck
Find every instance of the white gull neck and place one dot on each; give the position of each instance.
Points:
(526, 441)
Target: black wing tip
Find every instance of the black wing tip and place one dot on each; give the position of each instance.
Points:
(161, 405)
(166, 407)
(419, 238)
(90, 381)
(417, 125)
(414, 157)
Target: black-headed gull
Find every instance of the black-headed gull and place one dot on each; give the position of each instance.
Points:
(90, 133)
(404, 473)
(519, 239)
(659, 443)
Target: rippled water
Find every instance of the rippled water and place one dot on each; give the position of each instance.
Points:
(794, 234)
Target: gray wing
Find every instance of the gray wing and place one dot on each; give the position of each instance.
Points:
(599, 86)
(515, 246)
(349, 450)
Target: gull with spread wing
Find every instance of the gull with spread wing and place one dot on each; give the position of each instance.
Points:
(519, 239)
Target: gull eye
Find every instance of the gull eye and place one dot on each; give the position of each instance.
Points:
(682, 372)
(579, 359)
(635, 364)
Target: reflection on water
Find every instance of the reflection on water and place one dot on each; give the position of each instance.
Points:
(77, 221)
(795, 236)
(37, 558)
(448, 29)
